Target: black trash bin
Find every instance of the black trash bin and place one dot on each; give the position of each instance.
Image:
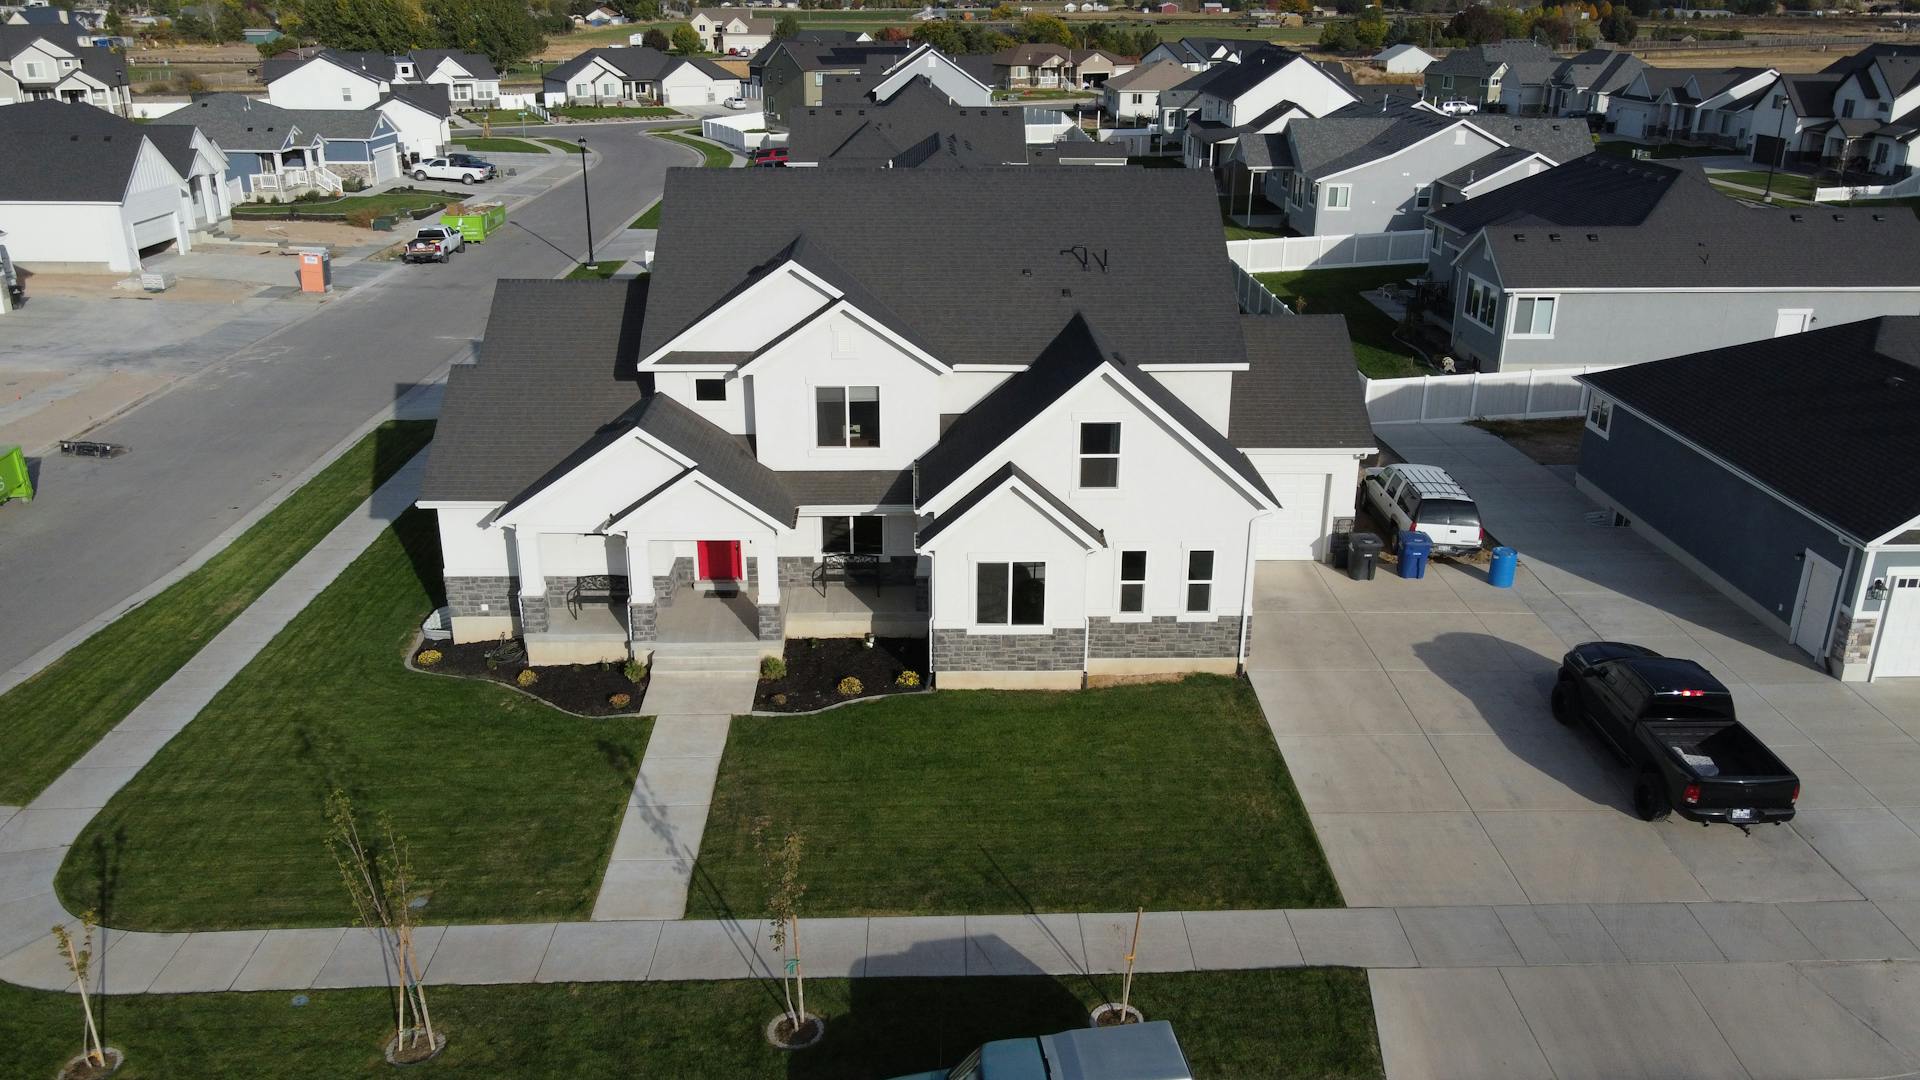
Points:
(1363, 555)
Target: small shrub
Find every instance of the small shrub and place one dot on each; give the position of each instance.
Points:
(850, 686)
(635, 671)
(353, 184)
(772, 668)
(429, 657)
(779, 699)
(620, 701)
(526, 678)
(907, 679)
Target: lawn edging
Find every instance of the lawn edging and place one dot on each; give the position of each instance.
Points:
(863, 700)
(420, 639)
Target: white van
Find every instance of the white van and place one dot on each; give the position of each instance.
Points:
(1423, 498)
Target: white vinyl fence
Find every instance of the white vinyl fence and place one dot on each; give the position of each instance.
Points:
(1255, 298)
(1326, 252)
(1517, 395)
(744, 133)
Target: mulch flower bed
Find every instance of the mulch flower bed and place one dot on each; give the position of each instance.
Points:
(586, 689)
(816, 667)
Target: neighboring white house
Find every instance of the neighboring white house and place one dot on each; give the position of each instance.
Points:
(732, 31)
(641, 76)
(1258, 95)
(52, 62)
(84, 189)
(962, 87)
(1136, 94)
(1403, 59)
(334, 79)
(1039, 471)
(423, 118)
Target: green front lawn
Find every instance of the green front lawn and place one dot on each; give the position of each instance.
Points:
(1302, 1022)
(1168, 796)
(712, 155)
(56, 716)
(613, 112)
(380, 204)
(1237, 231)
(599, 271)
(649, 218)
(481, 144)
(510, 806)
(1792, 185)
(1321, 292)
(564, 146)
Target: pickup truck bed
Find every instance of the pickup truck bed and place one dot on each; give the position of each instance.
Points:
(1674, 724)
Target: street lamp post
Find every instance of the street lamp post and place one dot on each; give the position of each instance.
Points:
(587, 191)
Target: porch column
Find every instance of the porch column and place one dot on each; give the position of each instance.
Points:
(533, 584)
(767, 593)
(643, 610)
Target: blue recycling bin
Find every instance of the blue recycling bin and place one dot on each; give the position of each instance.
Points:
(1415, 548)
(1505, 562)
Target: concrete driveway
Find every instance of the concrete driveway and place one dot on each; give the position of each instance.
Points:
(1413, 716)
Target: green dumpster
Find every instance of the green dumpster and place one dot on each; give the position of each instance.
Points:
(477, 221)
(14, 482)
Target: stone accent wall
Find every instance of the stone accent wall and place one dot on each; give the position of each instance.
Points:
(957, 650)
(796, 571)
(1853, 637)
(352, 170)
(466, 594)
(1163, 636)
(772, 622)
(663, 587)
(533, 615)
(641, 622)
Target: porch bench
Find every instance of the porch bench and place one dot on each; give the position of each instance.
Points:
(595, 588)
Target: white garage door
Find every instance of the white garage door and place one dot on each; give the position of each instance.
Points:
(386, 164)
(684, 95)
(1899, 651)
(1291, 533)
(154, 230)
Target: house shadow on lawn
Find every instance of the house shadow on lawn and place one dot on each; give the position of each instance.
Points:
(1513, 701)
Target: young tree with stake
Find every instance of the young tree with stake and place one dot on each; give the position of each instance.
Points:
(780, 858)
(383, 893)
(79, 960)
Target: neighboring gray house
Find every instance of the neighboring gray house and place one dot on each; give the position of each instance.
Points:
(1797, 494)
(918, 127)
(961, 81)
(1197, 53)
(1511, 76)
(1585, 83)
(1364, 170)
(278, 153)
(1598, 189)
(1692, 274)
(794, 76)
(1713, 106)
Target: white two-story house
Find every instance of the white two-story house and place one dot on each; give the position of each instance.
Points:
(1258, 95)
(335, 79)
(41, 62)
(803, 428)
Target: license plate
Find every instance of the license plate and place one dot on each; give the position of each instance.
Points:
(1739, 815)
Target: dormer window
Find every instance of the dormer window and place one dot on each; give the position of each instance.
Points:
(847, 416)
(1100, 455)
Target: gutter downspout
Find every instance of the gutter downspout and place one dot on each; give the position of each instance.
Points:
(1086, 625)
(1246, 590)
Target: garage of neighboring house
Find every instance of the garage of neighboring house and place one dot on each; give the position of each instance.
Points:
(698, 82)
(89, 199)
(1786, 473)
(1297, 417)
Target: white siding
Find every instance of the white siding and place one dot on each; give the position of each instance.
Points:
(469, 550)
(839, 351)
(320, 84)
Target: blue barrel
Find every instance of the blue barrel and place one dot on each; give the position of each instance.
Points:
(1415, 547)
(1505, 562)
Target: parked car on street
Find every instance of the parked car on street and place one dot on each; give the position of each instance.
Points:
(1423, 498)
(444, 168)
(1673, 723)
(1128, 1052)
(436, 243)
(771, 157)
(1457, 107)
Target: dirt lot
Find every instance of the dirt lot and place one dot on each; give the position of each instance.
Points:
(102, 287)
(1549, 442)
(308, 232)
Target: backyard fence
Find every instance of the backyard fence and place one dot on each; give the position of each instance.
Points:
(1327, 252)
(1255, 298)
(744, 133)
(1516, 395)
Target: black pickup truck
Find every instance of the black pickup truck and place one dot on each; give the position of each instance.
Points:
(1674, 724)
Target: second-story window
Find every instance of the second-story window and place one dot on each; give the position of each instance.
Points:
(1100, 455)
(847, 416)
(710, 389)
(1339, 196)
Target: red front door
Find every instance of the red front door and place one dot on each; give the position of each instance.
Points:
(719, 560)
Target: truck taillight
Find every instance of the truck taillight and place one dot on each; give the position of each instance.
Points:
(1796, 791)
(1690, 794)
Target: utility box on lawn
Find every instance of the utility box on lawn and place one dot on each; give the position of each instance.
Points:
(476, 221)
(316, 270)
(14, 481)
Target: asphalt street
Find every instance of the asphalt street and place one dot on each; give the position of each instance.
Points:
(216, 444)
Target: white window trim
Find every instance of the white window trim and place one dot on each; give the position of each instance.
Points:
(1423, 192)
(1513, 314)
(813, 420)
(974, 626)
(726, 393)
(1213, 585)
(1119, 580)
(1078, 457)
(1604, 406)
(1466, 301)
(1329, 189)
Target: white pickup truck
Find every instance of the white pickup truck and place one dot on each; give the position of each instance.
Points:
(436, 243)
(442, 168)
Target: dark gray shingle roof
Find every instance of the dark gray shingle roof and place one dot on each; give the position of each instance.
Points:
(1300, 389)
(1593, 190)
(850, 488)
(1829, 418)
(236, 122)
(1006, 272)
(82, 166)
(994, 482)
(916, 127)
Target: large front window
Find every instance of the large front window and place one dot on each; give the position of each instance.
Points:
(1533, 316)
(1011, 594)
(847, 416)
(850, 535)
(1482, 302)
